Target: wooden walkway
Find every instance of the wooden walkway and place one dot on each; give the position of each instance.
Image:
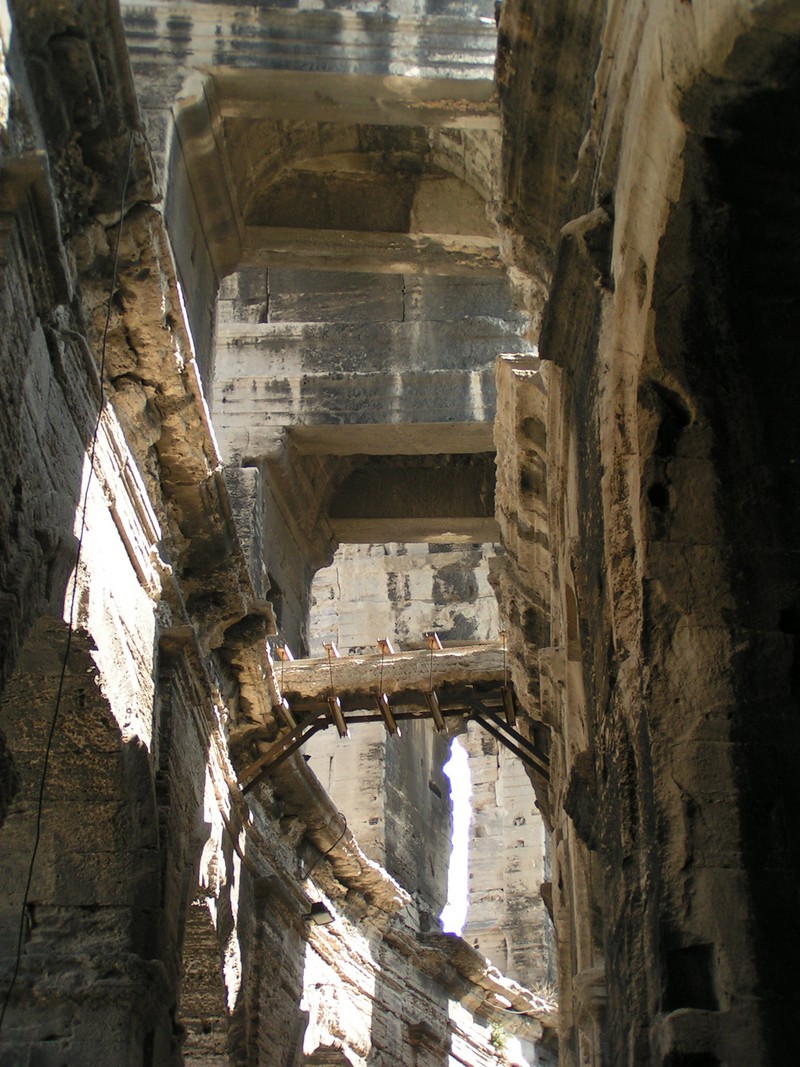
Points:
(436, 683)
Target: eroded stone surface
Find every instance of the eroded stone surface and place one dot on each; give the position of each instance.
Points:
(639, 162)
(624, 509)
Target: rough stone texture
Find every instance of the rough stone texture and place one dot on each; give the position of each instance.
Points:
(135, 677)
(324, 354)
(642, 490)
(639, 162)
(373, 396)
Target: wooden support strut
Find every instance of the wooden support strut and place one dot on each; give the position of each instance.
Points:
(282, 749)
(514, 741)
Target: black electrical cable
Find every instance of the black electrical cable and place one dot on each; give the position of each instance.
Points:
(319, 859)
(71, 620)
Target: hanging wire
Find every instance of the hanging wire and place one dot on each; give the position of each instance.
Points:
(329, 650)
(327, 853)
(71, 617)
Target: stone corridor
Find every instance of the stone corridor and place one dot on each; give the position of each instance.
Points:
(430, 322)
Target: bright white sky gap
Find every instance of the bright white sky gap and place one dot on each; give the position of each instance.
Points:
(454, 915)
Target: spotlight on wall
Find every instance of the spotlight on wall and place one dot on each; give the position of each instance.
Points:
(284, 654)
(385, 646)
(386, 649)
(318, 914)
(334, 703)
(285, 712)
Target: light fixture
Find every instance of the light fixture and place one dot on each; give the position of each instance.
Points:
(436, 712)
(285, 713)
(334, 703)
(318, 914)
(431, 699)
(284, 654)
(386, 712)
(337, 715)
(385, 646)
(508, 705)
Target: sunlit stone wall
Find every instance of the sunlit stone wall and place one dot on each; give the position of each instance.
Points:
(393, 791)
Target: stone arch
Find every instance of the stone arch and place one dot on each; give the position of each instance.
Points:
(353, 178)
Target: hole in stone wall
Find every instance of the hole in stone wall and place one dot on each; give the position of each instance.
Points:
(658, 495)
(275, 597)
(675, 417)
(573, 637)
(454, 914)
(690, 979)
(148, 1050)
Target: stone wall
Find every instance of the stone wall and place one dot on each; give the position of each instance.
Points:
(648, 586)
(639, 163)
(146, 903)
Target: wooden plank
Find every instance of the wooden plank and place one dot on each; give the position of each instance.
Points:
(411, 671)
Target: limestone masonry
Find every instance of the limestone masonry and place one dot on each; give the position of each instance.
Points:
(466, 327)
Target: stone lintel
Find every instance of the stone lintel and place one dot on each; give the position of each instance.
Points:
(471, 530)
(370, 251)
(204, 36)
(404, 671)
(409, 439)
(408, 499)
(456, 103)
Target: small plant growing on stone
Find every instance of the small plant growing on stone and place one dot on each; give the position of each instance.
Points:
(498, 1038)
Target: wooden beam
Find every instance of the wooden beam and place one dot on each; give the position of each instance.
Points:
(417, 670)
(281, 749)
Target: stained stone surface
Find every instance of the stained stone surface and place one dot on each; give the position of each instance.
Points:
(649, 580)
(136, 606)
(632, 170)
